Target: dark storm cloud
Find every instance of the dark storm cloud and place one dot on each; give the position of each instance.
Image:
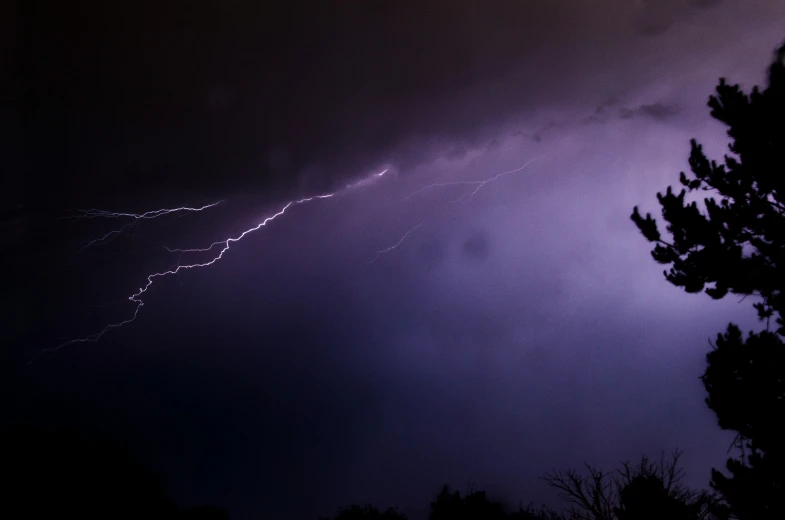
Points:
(229, 95)
(610, 110)
(657, 111)
(602, 112)
(233, 94)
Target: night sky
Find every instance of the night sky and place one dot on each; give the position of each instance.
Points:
(518, 330)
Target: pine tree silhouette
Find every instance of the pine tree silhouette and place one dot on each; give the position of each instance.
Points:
(735, 244)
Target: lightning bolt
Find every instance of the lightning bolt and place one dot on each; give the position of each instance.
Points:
(395, 246)
(222, 246)
(136, 219)
(479, 184)
(227, 243)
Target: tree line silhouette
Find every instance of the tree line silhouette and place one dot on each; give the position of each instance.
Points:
(734, 243)
(644, 491)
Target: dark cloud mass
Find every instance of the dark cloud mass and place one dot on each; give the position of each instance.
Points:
(229, 86)
(657, 111)
(421, 329)
(609, 110)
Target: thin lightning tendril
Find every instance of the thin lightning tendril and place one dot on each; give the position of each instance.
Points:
(136, 218)
(226, 244)
(478, 184)
(395, 246)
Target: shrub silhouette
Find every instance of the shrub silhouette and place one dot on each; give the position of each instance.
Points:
(472, 506)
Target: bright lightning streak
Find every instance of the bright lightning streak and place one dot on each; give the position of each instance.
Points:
(478, 184)
(136, 218)
(367, 180)
(226, 244)
(395, 246)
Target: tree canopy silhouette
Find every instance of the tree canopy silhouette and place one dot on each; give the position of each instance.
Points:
(474, 505)
(735, 244)
(646, 491)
